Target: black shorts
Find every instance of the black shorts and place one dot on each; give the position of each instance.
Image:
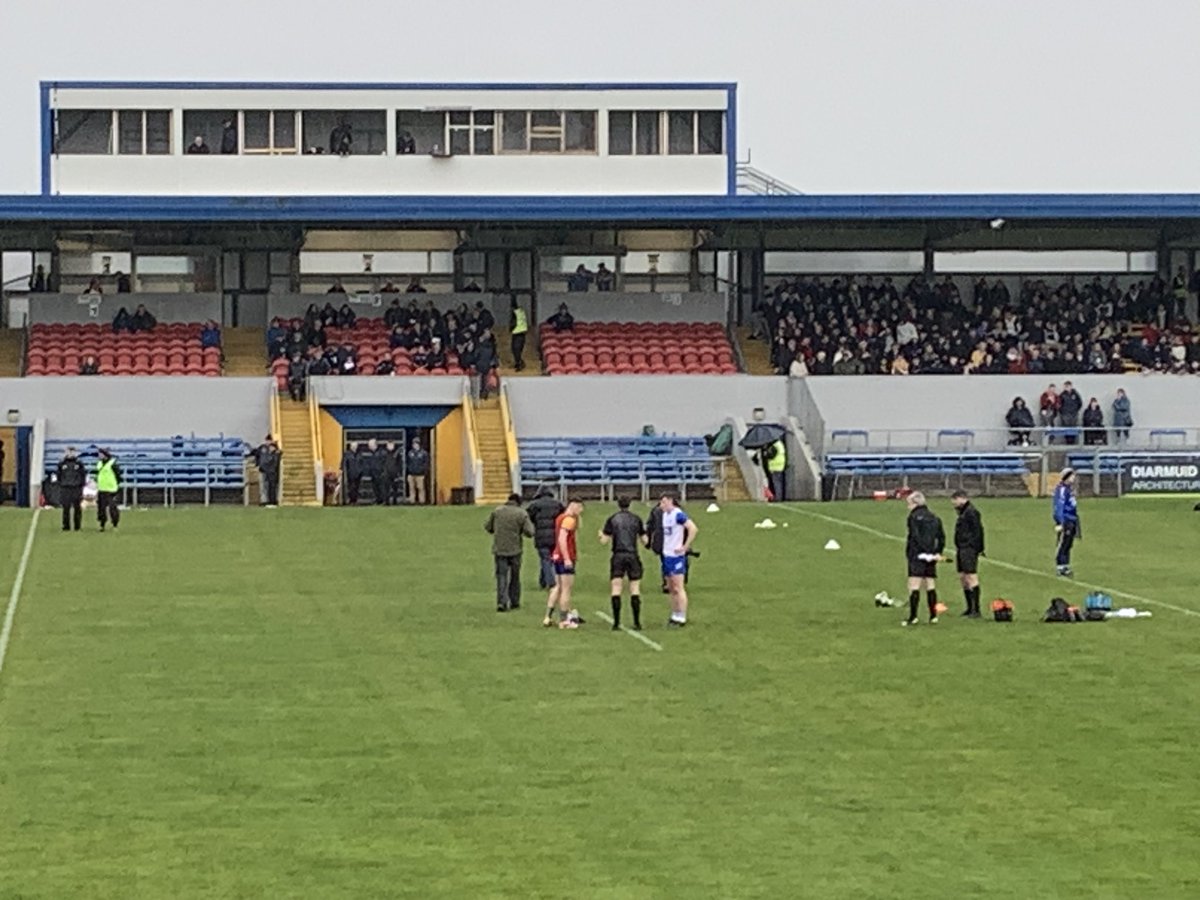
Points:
(625, 565)
(919, 568)
(967, 562)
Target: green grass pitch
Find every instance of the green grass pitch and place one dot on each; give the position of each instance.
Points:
(324, 704)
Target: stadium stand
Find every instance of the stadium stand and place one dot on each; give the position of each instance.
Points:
(852, 326)
(173, 469)
(170, 349)
(603, 465)
(945, 471)
(363, 347)
(645, 348)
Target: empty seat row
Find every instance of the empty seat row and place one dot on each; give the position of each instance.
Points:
(653, 348)
(175, 462)
(171, 349)
(926, 464)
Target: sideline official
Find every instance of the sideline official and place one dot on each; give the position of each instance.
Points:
(926, 541)
(108, 485)
(71, 477)
(968, 547)
(508, 524)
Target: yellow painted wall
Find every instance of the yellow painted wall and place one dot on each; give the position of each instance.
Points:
(9, 436)
(448, 455)
(331, 442)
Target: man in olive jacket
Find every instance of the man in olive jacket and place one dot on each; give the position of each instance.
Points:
(508, 524)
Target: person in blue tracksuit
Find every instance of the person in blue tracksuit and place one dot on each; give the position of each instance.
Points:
(1066, 520)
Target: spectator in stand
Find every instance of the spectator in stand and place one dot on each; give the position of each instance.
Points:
(1020, 423)
(415, 286)
(1093, 424)
(436, 358)
(142, 320)
(562, 320)
(580, 280)
(346, 317)
(89, 366)
(37, 281)
(798, 367)
(297, 377)
(1122, 417)
(341, 137)
(94, 286)
(485, 362)
(197, 147)
(1070, 404)
(1048, 409)
(229, 137)
(121, 321)
(394, 316)
(390, 288)
(604, 278)
(124, 285)
(276, 338)
(317, 364)
(472, 288)
(416, 463)
(210, 334)
(406, 145)
(336, 288)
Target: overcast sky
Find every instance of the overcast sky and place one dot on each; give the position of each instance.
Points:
(839, 96)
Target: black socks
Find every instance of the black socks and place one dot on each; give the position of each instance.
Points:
(616, 609)
(635, 603)
(931, 599)
(914, 600)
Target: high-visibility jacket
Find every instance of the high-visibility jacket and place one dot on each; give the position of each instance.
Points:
(106, 477)
(520, 321)
(778, 462)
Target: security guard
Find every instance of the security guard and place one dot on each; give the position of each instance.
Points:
(108, 484)
(520, 328)
(71, 476)
(776, 456)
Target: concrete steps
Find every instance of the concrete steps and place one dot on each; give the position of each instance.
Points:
(757, 354)
(245, 351)
(734, 486)
(493, 451)
(10, 353)
(298, 486)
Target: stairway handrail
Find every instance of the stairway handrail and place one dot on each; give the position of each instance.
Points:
(314, 426)
(510, 441)
(473, 456)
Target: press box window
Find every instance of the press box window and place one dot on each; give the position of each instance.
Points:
(472, 132)
(83, 131)
(143, 132)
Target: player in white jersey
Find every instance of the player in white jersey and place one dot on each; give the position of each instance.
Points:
(678, 533)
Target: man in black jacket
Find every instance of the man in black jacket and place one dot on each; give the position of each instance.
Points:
(926, 541)
(393, 472)
(71, 477)
(544, 510)
(268, 457)
(968, 547)
(1069, 406)
(373, 465)
(352, 462)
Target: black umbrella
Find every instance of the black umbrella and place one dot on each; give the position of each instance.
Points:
(762, 435)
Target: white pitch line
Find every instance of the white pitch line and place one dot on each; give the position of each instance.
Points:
(1000, 563)
(633, 634)
(14, 595)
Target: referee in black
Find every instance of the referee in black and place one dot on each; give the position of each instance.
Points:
(968, 547)
(625, 532)
(926, 541)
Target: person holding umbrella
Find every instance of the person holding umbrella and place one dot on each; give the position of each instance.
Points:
(769, 441)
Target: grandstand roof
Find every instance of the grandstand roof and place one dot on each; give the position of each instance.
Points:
(1092, 209)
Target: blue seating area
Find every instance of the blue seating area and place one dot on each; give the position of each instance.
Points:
(176, 467)
(1108, 462)
(611, 462)
(906, 465)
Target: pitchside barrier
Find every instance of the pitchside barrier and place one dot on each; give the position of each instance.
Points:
(1142, 462)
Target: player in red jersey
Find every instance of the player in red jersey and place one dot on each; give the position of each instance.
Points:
(564, 557)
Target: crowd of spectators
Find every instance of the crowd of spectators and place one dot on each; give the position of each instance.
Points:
(853, 326)
(323, 341)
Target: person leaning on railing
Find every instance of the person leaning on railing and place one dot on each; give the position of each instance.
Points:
(1020, 422)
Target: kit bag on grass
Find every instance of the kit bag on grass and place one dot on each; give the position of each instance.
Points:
(1002, 610)
(1097, 606)
(1060, 611)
